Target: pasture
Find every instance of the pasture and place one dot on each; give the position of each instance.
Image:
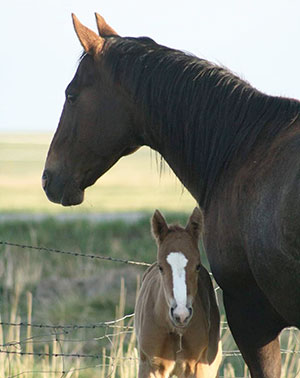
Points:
(45, 288)
(136, 183)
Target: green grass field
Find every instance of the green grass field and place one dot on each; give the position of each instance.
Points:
(49, 288)
(133, 184)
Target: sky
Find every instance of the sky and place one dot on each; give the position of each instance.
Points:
(258, 39)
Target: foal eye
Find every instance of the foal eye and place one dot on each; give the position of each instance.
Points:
(198, 267)
(160, 268)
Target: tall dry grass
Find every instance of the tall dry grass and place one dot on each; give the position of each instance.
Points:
(119, 358)
(27, 364)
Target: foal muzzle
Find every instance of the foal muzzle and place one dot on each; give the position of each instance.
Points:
(181, 315)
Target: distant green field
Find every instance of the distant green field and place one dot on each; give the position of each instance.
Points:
(133, 184)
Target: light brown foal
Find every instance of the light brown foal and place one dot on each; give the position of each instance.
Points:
(177, 320)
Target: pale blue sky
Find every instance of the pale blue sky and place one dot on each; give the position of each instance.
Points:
(259, 40)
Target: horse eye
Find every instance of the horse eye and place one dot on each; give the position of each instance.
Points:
(160, 268)
(198, 267)
(71, 98)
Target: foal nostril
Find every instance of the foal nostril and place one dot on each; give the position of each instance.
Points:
(45, 179)
(177, 319)
(172, 311)
(181, 317)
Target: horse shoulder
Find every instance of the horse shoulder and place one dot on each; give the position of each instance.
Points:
(146, 300)
(274, 231)
(153, 337)
(253, 230)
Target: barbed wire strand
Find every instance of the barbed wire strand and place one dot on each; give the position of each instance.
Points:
(58, 371)
(78, 254)
(71, 355)
(75, 254)
(229, 353)
(108, 324)
(33, 339)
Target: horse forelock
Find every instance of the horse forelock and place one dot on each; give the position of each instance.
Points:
(208, 114)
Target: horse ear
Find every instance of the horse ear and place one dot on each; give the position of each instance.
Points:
(103, 28)
(159, 226)
(91, 42)
(195, 224)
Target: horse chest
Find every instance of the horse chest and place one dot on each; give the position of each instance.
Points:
(226, 250)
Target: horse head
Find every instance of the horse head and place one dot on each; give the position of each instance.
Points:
(179, 264)
(96, 125)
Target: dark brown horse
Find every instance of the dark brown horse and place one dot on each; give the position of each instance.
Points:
(234, 148)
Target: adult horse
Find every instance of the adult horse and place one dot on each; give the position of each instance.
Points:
(234, 148)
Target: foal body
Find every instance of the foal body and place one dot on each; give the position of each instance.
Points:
(176, 315)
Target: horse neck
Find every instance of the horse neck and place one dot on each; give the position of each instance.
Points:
(161, 309)
(179, 163)
(209, 161)
(198, 116)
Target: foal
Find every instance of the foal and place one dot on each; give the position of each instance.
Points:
(176, 316)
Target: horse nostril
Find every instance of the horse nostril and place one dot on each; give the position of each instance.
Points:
(45, 179)
(177, 318)
(172, 311)
(190, 311)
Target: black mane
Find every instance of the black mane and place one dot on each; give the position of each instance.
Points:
(210, 115)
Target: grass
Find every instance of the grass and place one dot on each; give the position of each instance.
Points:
(118, 359)
(133, 184)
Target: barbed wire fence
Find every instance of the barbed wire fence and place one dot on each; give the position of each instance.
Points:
(58, 335)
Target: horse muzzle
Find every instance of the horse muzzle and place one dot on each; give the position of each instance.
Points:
(181, 315)
(61, 190)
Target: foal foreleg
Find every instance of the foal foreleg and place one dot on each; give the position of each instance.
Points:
(148, 370)
(145, 370)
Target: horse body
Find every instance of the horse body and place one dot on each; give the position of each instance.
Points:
(262, 234)
(253, 254)
(234, 148)
(192, 350)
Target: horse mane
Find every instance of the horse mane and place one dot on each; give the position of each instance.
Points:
(210, 115)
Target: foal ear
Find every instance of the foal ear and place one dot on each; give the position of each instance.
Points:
(103, 28)
(159, 226)
(195, 224)
(91, 42)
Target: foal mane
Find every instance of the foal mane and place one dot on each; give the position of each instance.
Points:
(211, 116)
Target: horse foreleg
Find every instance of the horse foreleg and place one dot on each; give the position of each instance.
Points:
(157, 369)
(206, 371)
(255, 328)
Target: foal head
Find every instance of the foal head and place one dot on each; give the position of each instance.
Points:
(179, 263)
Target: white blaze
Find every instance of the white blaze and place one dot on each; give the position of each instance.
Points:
(178, 262)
